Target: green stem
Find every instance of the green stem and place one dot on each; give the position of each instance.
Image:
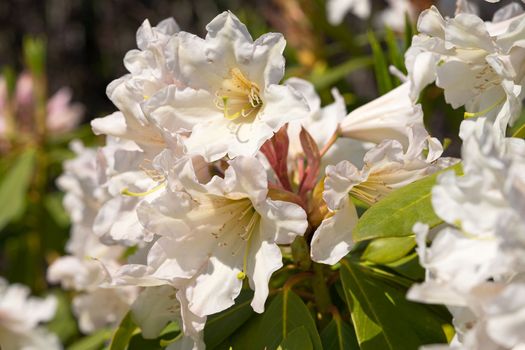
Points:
(322, 295)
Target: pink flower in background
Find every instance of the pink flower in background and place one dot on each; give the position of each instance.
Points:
(62, 115)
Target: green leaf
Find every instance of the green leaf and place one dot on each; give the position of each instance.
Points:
(53, 204)
(390, 249)
(395, 55)
(220, 326)
(410, 30)
(63, 324)
(396, 214)
(286, 313)
(408, 267)
(244, 337)
(123, 334)
(14, 186)
(328, 78)
(92, 342)
(520, 132)
(339, 335)
(383, 78)
(382, 317)
(298, 339)
(168, 335)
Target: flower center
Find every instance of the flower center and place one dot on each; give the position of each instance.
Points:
(371, 190)
(238, 96)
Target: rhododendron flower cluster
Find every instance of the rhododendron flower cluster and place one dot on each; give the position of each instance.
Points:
(215, 173)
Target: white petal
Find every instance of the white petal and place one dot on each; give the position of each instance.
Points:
(333, 238)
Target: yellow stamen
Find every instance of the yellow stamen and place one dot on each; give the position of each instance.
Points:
(485, 111)
(127, 192)
(238, 96)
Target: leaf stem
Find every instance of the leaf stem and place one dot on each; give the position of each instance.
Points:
(330, 143)
(322, 295)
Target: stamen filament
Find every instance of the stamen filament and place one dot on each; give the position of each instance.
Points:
(127, 192)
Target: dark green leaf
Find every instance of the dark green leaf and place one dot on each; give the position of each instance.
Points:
(219, 327)
(386, 250)
(395, 55)
(408, 267)
(298, 339)
(338, 335)
(245, 337)
(396, 214)
(286, 313)
(383, 78)
(382, 317)
(168, 335)
(13, 187)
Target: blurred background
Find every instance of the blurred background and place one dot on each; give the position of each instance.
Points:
(87, 39)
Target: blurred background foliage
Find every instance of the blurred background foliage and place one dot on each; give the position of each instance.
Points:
(81, 44)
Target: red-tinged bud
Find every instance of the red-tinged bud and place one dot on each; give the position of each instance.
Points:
(313, 161)
(276, 151)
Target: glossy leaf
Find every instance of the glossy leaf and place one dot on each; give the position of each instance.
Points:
(339, 335)
(396, 214)
(387, 250)
(286, 313)
(14, 186)
(219, 327)
(297, 339)
(382, 317)
(245, 337)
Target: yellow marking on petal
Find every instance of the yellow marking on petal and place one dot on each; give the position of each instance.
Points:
(238, 96)
(127, 192)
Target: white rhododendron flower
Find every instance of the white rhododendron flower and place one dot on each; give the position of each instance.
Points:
(479, 67)
(387, 167)
(476, 266)
(231, 100)
(149, 73)
(20, 316)
(86, 267)
(392, 116)
(126, 172)
(218, 233)
(487, 159)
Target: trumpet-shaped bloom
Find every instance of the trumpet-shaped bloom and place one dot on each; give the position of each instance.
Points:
(479, 66)
(231, 100)
(392, 116)
(20, 316)
(149, 73)
(387, 167)
(214, 235)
